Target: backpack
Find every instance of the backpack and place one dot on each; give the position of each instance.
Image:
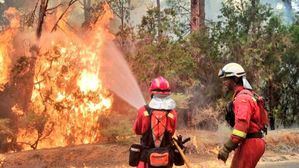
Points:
(264, 119)
(157, 135)
(157, 139)
(263, 123)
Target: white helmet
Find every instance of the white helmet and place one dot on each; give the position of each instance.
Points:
(231, 69)
(234, 69)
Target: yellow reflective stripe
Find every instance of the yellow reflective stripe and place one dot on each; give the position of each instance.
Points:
(170, 115)
(145, 113)
(239, 133)
(253, 99)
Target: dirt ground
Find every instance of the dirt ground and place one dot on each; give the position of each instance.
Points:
(282, 151)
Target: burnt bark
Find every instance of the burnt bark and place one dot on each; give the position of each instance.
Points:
(197, 14)
(159, 19)
(41, 16)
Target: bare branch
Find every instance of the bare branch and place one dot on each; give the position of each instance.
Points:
(64, 12)
(118, 15)
(184, 8)
(32, 16)
(55, 7)
(67, 23)
(81, 3)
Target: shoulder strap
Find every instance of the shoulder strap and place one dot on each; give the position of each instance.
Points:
(147, 138)
(148, 109)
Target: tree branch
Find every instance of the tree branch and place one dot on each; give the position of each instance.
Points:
(55, 7)
(64, 12)
(114, 11)
(32, 16)
(42, 14)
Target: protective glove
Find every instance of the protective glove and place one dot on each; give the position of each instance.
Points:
(226, 149)
(179, 140)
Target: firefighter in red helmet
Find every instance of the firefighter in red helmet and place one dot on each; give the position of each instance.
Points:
(156, 123)
(248, 118)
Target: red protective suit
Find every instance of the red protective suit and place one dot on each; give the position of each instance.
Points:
(143, 122)
(247, 117)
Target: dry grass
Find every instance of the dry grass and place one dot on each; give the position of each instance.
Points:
(283, 141)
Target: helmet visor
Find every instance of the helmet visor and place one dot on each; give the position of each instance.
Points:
(221, 73)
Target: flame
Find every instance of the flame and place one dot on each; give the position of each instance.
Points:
(3, 66)
(88, 82)
(13, 15)
(6, 47)
(68, 92)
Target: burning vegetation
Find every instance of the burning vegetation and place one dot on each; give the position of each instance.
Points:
(54, 94)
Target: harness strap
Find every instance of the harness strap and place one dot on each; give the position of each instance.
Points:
(149, 135)
(255, 135)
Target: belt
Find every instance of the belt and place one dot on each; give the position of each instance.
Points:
(255, 135)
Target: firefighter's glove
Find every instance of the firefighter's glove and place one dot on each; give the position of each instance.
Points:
(179, 140)
(226, 149)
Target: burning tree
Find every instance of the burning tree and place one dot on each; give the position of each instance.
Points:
(60, 81)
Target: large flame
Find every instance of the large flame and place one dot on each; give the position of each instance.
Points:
(68, 96)
(88, 82)
(4, 63)
(6, 47)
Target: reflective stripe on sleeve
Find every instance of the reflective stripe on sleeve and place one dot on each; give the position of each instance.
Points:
(239, 133)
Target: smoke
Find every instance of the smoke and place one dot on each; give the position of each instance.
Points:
(212, 9)
(287, 8)
(13, 15)
(139, 9)
(288, 12)
(223, 133)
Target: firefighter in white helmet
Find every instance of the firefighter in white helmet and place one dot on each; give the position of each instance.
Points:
(247, 117)
(234, 70)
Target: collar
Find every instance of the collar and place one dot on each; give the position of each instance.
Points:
(237, 89)
(162, 103)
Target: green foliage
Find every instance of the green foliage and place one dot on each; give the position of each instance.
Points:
(167, 59)
(249, 34)
(182, 100)
(121, 9)
(288, 90)
(287, 83)
(170, 25)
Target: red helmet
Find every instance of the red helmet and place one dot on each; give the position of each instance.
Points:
(159, 86)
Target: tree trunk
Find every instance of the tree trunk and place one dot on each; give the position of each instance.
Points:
(87, 7)
(159, 19)
(122, 22)
(197, 14)
(271, 104)
(42, 14)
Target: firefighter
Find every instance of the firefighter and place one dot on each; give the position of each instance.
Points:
(246, 117)
(156, 123)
